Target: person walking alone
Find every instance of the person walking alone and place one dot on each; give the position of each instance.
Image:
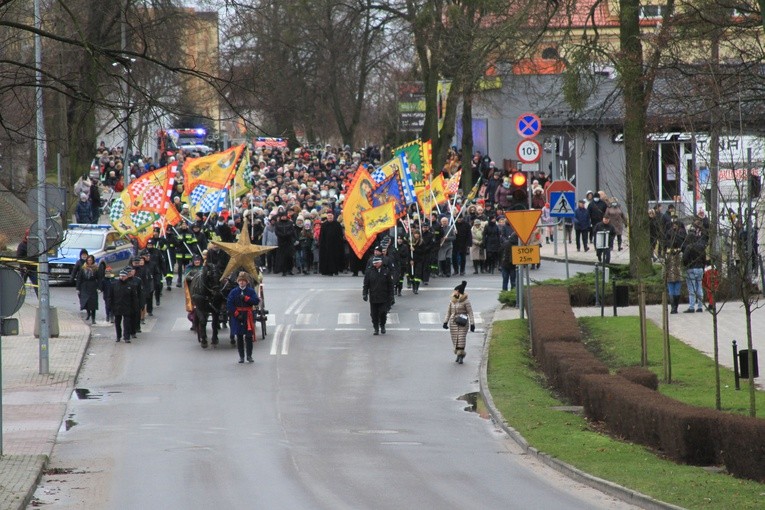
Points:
(240, 303)
(122, 301)
(459, 318)
(88, 282)
(378, 290)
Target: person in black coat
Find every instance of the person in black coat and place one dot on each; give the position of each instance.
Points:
(88, 282)
(461, 245)
(604, 254)
(596, 209)
(492, 243)
(122, 302)
(331, 249)
(286, 239)
(378, 290)
(153, 278)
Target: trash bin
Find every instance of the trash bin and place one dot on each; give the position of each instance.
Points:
(622, 295)
(743, 364)
(52, 323)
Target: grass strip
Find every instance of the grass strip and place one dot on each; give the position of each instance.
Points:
(519, 392)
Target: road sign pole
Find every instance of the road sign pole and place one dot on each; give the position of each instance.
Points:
(42, 214)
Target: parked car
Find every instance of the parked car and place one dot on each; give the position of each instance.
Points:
(102, 241)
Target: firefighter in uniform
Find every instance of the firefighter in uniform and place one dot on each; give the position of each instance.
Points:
(185, 247)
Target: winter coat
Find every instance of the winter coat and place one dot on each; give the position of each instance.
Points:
(491, 237)
(596, 209)
(582, 219)
(477, 249)
(447, 244)
(503, 197)
(462, 238)
(88, 282)
(84, 212)
(240, 305)
(378, 285)
(673, 267)
(694, 255)
(123, 299)
(459, 305)
(602, 227)
(617, 217)
(269, 236)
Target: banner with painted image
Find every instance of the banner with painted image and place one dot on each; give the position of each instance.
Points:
(389, 190)
(413, 152)
(356, 202)
(379, 219)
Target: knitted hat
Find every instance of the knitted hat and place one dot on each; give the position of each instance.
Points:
(375, 260)
(461, 287)
(243, 276)
(125, 272)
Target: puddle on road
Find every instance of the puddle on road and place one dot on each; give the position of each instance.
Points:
(476, 404)
(86, 394)
(69, 423)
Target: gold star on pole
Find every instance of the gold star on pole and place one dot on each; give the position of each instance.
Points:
(243, 254)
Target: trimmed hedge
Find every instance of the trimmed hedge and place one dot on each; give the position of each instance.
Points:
(641, 376)
(628, 403)
(742, 445)
(551, 318)
(680, 431)
(565, 363)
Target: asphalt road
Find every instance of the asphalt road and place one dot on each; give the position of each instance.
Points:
(328, 416)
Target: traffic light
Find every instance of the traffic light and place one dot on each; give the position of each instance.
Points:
(518, 190)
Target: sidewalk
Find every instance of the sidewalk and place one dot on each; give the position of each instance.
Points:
(34, 405)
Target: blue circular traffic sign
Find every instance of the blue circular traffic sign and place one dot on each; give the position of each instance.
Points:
(528, 125)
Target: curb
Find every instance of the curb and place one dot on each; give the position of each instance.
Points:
(610, 488)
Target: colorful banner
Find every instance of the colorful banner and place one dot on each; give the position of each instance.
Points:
(426, 201)
(144, 204)
(356, 202)
(390, 190)
(386, 170)
(379, 219)
(242, 184)
(413, 151)
(438, 189)
(206, 180)
(453, 184)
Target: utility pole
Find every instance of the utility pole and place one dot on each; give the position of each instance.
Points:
(42, 215)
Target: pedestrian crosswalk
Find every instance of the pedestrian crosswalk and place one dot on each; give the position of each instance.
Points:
(283, 328)
(340, 321)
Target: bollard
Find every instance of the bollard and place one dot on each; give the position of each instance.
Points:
(735, 366)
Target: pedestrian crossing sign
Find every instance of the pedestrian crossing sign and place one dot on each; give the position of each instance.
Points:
(562, 204)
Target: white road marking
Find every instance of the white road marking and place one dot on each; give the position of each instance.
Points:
(393, 318)
(286, 339)
(309, 329)
(347, 318)
(275, 340)
(304, 319)
(181, 324)
(429, 318)
(350, 329)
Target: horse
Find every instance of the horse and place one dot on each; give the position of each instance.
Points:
(208, 299)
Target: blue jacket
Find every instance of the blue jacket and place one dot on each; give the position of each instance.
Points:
(582, 219)
(239, 305)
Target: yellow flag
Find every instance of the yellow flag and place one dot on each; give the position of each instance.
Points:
(438, 187)
(356, 202)
(425, 199)
(241, 184)
(379, 219)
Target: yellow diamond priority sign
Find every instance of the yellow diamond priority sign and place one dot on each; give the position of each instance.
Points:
(524, 222)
